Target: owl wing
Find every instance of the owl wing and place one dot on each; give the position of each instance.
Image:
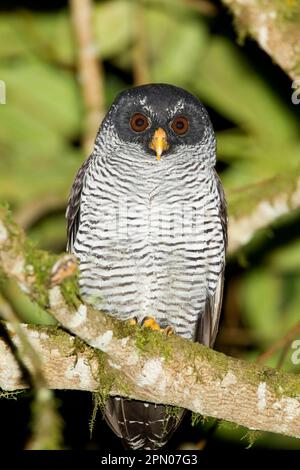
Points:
(73, 208)
(209, 321)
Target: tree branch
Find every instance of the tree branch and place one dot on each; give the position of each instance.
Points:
(275, 26)
(46, 424)
(137, 363)
(140, 49)
(188, 375)
(259, 205)
(90, 70)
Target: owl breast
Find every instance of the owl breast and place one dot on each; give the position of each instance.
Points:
(149, 242)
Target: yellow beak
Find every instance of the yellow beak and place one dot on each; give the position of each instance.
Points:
(159, 142)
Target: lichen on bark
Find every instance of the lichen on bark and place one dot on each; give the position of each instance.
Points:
(274, 25)
(104, 355)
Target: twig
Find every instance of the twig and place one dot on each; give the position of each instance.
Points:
(275, 26)
(145, 365)
(140, 50)
(280, 343)
(90, 69)
(277, 197)
(202, 6)
(46, 423)
(31, 213)
(283, 355)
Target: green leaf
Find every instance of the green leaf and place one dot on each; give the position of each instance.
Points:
(46, 35)
(175, 44)
(232, 86)
(259, 298)
(44, 93)
(113, 27)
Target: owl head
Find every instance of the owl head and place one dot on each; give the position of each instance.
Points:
(160, 121)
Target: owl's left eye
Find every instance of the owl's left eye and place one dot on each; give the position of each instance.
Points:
(180, 125)
(139, 122)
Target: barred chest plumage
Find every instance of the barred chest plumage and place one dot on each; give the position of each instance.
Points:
(150, 240)
(147, 220)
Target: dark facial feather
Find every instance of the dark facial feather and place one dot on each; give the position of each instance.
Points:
(160, 103)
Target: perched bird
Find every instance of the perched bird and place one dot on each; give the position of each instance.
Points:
(147, 223)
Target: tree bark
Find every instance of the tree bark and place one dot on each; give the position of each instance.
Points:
(275, 26)
(260, 205)
(131, 361)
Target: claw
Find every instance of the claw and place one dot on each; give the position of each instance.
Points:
(168, 331)
(132, 321)
(151, 323)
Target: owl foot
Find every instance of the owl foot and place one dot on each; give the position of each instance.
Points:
(132, 321)
(150, 322)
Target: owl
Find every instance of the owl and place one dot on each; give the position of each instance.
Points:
(147, 222)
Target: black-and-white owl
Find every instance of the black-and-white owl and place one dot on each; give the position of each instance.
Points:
(147, 223)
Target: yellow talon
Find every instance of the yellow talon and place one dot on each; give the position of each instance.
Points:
(168, 331)
(150, 322)
(132, 321)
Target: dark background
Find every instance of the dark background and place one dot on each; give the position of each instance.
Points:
(249, 101)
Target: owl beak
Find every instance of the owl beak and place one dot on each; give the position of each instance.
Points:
(159, 142)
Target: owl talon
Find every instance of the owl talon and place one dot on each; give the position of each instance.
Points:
(151, 323)
(168, 331)
(132, 321)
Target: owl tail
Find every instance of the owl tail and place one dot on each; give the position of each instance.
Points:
(141, 425)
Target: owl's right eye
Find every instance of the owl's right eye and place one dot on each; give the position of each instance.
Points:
(139, 122)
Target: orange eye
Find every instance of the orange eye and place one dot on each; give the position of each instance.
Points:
(139, 122)
(180, 125)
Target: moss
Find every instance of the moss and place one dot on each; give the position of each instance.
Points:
(79, 346)
(8, 395)
(3, 277)
(288, 10)
(146, 340)
(198, 420)
(251, 436)
(42, 263)
(70, 292)
(122, 385)
(123, 329)
(218, 362)
(283, 383)
(6, 215)
(242, 203)
(173, 411)
(154, 342)
(106, 378)
(97, 405)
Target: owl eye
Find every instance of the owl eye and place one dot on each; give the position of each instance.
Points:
(180, 125)
(139, 122)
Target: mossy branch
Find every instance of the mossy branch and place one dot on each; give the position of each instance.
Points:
(259, 205)
(275, 26)
(102, 353)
